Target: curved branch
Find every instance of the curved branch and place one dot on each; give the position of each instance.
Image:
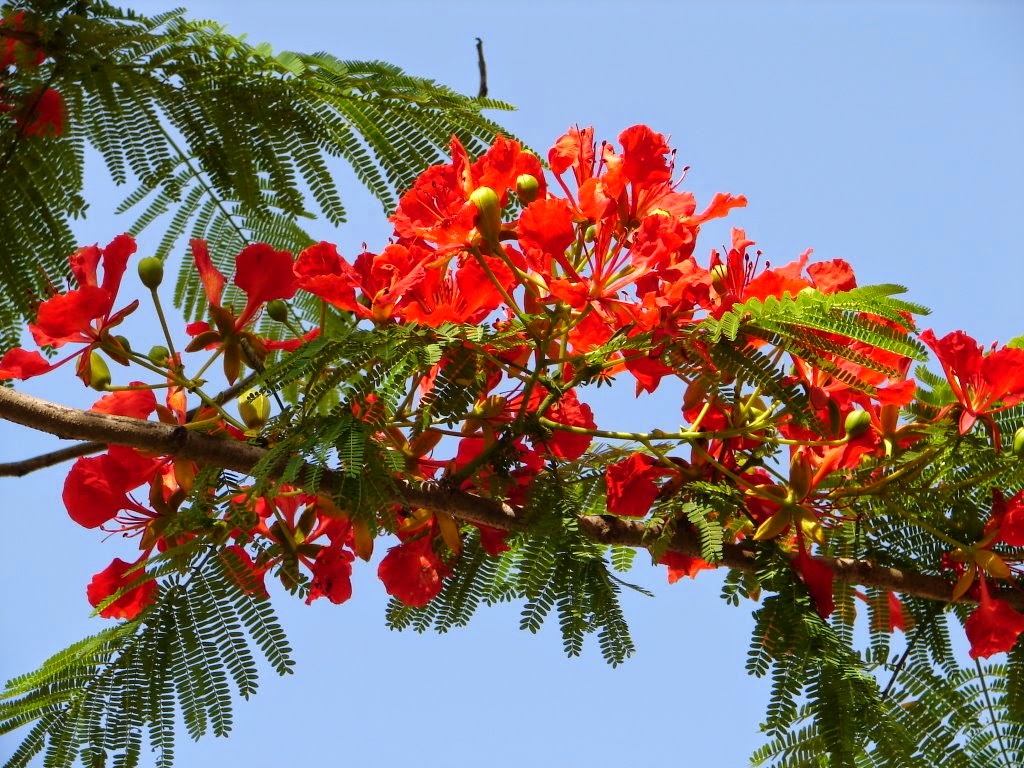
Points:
(44, 460)
(76, 424)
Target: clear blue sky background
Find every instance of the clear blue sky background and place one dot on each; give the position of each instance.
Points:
(887, 134)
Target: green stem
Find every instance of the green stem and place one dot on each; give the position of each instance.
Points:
(925, 526)
(202, 182)
(163, 324)
(992, 714)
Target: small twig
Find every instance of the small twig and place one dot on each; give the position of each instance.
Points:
(483, 68)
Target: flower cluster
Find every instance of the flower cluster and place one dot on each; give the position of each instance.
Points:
(585, 276)
(39, 111)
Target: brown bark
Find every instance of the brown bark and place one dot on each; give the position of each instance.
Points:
(75, 424)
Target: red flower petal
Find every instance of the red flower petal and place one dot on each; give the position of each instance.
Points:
(96, 488)
(115, 262)
(897, 620)
(114, 578)
(832, 276)
(264, 274)
(718, 208)
(243, 571)
(546, 229)
(575, 148)
(680, 565)
(321, 271)
(213, 280)
(92, 495)
(136, 403)
(818, 578)
(47, 117)
(67, 317)
(18, 363)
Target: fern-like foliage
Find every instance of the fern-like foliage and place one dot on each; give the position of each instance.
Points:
(187, 655)
(962, 719)
(832, 332)
(221, 140)
(553, 570)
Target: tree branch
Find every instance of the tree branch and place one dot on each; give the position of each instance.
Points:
(483, 68)
(44, 460)
(72, 423)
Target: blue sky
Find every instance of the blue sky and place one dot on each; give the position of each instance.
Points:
(884, 134)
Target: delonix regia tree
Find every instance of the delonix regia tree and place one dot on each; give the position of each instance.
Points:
(431, 394)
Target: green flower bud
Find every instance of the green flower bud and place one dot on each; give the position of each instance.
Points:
(123, 341)
(591, 234)
(527, 188)
(488, 206)
(857, 423)
(1018, 442)
(99, 373)
(277, 310)
(159, 355)
(254, 408)
(151, 272)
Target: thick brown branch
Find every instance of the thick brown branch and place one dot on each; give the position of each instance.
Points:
(75, 424)
(44, 460)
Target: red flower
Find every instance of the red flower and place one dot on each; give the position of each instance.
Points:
(244, 572)
(84, 315)
(322, 271)
(979, 380)
(832, 276)
(412, 572)
(16, 49)
(736, 281)
(438, 209)
(44, 115)
(332, 575)
(263, 273)
(463, 295)
(545, 230)
(572, 413)
(493, 540)
(574, 150)
(993, 627)
(631, 486)
(818, 578)
(116, 577)
(1008, 514)
(384, 279)
(69, 317)
(96, 489)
